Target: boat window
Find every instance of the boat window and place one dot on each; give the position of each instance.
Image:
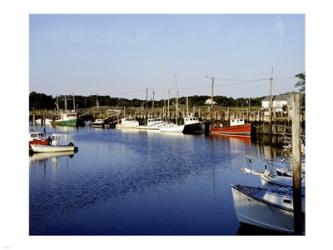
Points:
(286, 201)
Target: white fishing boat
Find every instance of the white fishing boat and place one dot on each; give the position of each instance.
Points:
(172, 128)
(152, 124)
(127, 123)
(53, 147)
(98, 123)
(47, 122)
(270, 174)
(266, 208)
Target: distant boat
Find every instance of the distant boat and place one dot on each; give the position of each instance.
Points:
(266, 208)
(47, 121)
(192, 125)
(53, 147)
(237, 127)
(127, 123)
(98, 123)
(152, 124)
(172, 128)
(67, 118)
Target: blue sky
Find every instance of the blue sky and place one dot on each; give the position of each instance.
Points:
(121, 55)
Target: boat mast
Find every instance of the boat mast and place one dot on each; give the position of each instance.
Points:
(65, 103)
(169, 104)
(187, 105)
(73, 103)
(176, 99)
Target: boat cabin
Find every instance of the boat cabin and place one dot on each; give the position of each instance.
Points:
(154, 121)
(36, 136)
(55, 139)
(190, 119)
(237, 121)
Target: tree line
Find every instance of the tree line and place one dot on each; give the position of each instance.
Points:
(43, 101)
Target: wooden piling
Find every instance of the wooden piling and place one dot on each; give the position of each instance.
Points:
(296, 163)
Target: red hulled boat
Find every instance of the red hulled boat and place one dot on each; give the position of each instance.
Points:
(237, 128)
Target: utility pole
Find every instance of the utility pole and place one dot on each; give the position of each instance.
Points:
(212, 104)
(212, 97)
(270, 106)
(248, 111)
(296, 163)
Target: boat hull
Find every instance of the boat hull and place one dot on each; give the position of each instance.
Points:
(126, 126)
(69, 123)
(143, 127)
(172, 129)
(50, 148)
(253, 211)
(194, 129)
(238, 130)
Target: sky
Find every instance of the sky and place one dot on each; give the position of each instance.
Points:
(121, 55)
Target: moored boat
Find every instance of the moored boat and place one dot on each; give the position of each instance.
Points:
(47, 121)
(53, 147)
(237, 127)
(127, 123)
(192, 125)
(98, 123)
(67, 118)
(152, 124)
(172, 128)
(266, 208)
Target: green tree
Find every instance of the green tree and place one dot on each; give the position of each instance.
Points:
(301, 82)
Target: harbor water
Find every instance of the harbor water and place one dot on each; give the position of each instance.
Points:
(129, 182)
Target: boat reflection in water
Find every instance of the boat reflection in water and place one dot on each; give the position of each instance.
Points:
(233, 139)
(43, 158)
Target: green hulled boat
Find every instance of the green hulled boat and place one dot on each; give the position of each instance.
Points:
(68, 118)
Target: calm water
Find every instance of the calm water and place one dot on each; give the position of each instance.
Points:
(139, 183)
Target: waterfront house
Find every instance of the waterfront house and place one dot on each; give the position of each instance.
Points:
(278, 102)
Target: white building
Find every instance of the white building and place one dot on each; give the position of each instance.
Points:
(209, 101)
(278, 102)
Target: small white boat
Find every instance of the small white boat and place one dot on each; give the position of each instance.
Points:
(53, 147)
(127, 123)
(267, 208)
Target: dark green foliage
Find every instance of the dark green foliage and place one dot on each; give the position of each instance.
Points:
(301, 82)
(42, 101)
